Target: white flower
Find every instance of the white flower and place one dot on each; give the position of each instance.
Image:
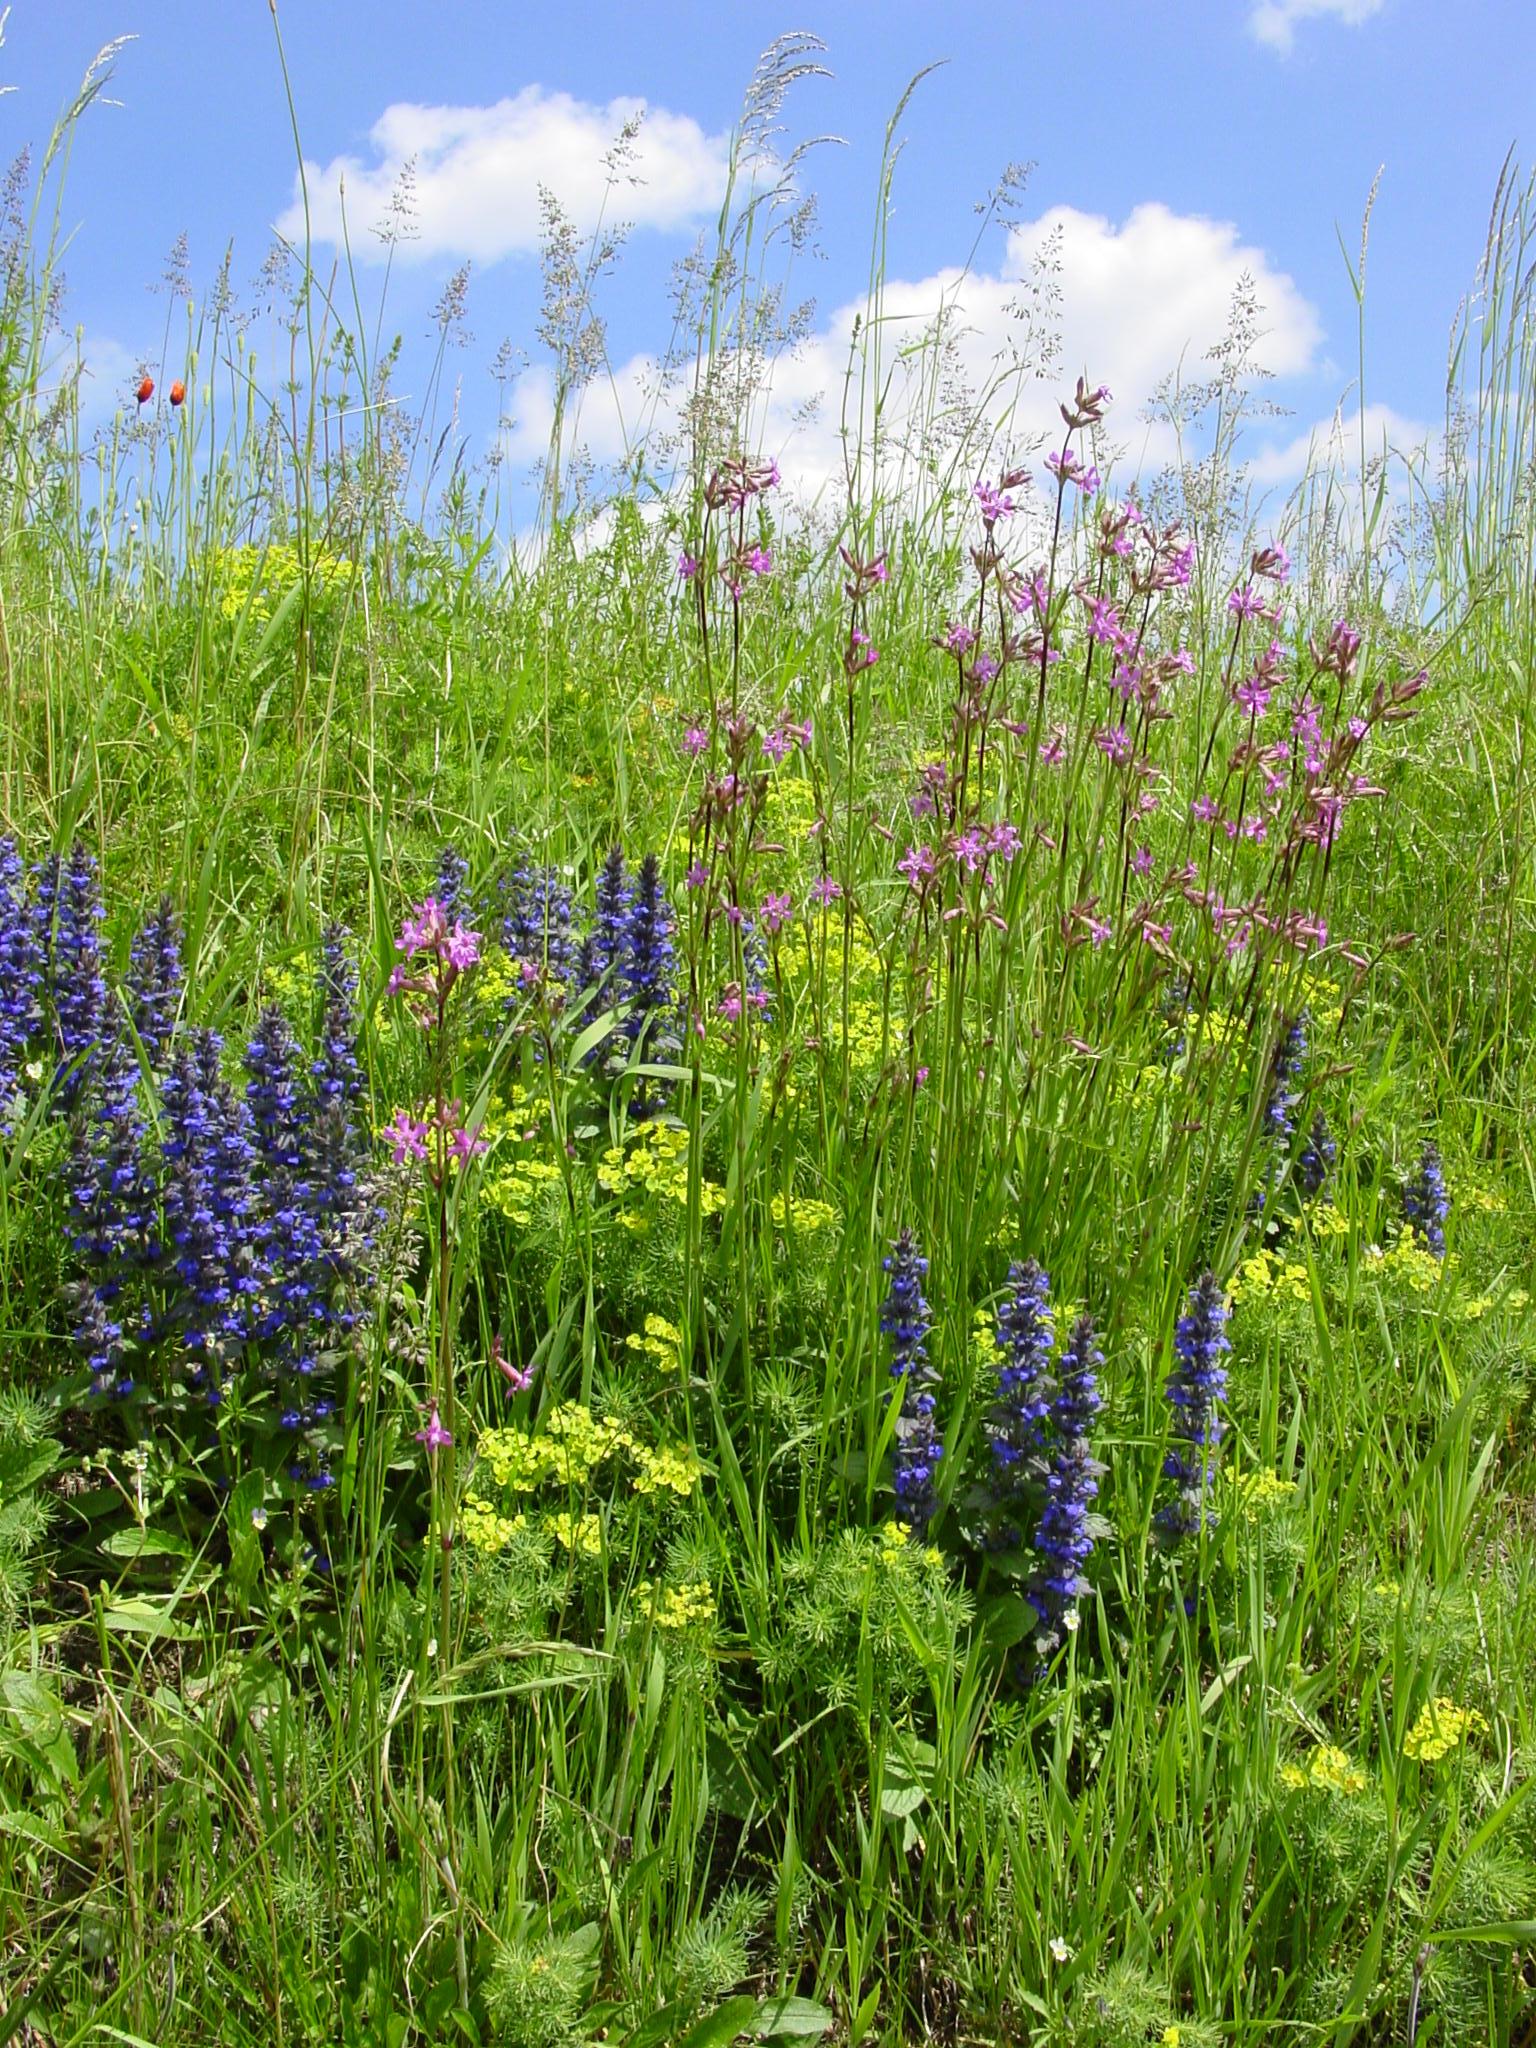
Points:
(1060, 1953)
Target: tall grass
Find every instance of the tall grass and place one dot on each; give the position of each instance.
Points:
(520, 1740)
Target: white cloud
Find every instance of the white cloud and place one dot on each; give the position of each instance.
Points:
(1336, 443)
(1274, 21)
(477, 171)
(1136, 300)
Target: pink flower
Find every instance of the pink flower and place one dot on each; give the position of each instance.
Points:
(464, 1145)
(1003, 840)
(958, 639)
(1114, 743)
(462, 949)
(918, 865)
(825, 890)
(518, 1380)
(729, 1005)
(1245, 603)
(1157, 936)
(1053, 751)
(424, 930)
(688, 566)
(760, 561)
(408, 1136)
(1203, 809)
(776, 745)
(775, 913)
(695, 741)
(1252, 696)
(434, 1436)
(1099, 930)
(969, 849)
(995, 504)
(1141, 860)
(697, 876)
(1103, 620)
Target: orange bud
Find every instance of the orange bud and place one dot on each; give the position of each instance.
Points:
(178, 392)
(146, 390)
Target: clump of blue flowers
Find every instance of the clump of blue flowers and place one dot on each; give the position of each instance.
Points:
(156, 975)
(905, 1320)
(1016, 1423)
(1314, 1166)
(1426, 1201)
(21, 981)
(1196, 1388)
(1063, 1537)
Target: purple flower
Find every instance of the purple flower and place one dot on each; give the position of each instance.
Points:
(406, 1135)
(695, 741)
(1003, 840)
(995, 504)
(1114, 743)
(688, 566)
(958, 640)
(697, 876)
(1252, 695)
(759, 560)
(825, 890)
(775, 913)
(461, 948)
(1141, 860)
(1063, 1535)
(434, 1436)
(1195, 1389)
(1245, 603)
(969, 850)
(918, 864)
(905, 1320)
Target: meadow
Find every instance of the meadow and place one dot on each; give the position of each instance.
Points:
(764, 1268)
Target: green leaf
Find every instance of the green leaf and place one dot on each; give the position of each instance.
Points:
(721, 2027)
(132, 1543)
(777, 2018)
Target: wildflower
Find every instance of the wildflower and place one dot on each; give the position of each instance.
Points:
(995, 504)
(1252, 696)
(434, 1436)
(1440, 1728)
(1060, 1953)
(518, 1379)
(904, 1319)
(647, 968)
(968, 850)
(775, 912)
(452, 872)
(695, 741)
(112, 1208)
(1245, 603)
(759, 560)
(1195, 1389)
(1103, 620)
(536, 923)
(1426, 1203)
(1025, 1332)
(959, 639)
(145, 391)
(688, 566)
(154, 984)
(21, 976)
(1315, 1165)
(1285, 1071)
(178, 392)
(1003, 840)
(825, 890)
(603, 948)
(919, 864)
(75, 977)
(208, 1204)
(1062, 1536)
(697, 876)
(1114, 743)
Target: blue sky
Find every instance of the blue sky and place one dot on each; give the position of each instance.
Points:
(1173, 147)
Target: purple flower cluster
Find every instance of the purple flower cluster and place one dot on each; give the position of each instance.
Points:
(226, 1242)
(1063, 1535)
(1426, 1202)
(21, 980)
(1016, 1425)
(1195, 1389)
(905, 1320)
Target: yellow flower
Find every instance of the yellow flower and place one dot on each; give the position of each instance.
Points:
(662, 1341)
(679, 1608)
(1170, 2037)
(1439, 1730)
(672, 1467)
(1324, 1769)
(1256, 1493)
